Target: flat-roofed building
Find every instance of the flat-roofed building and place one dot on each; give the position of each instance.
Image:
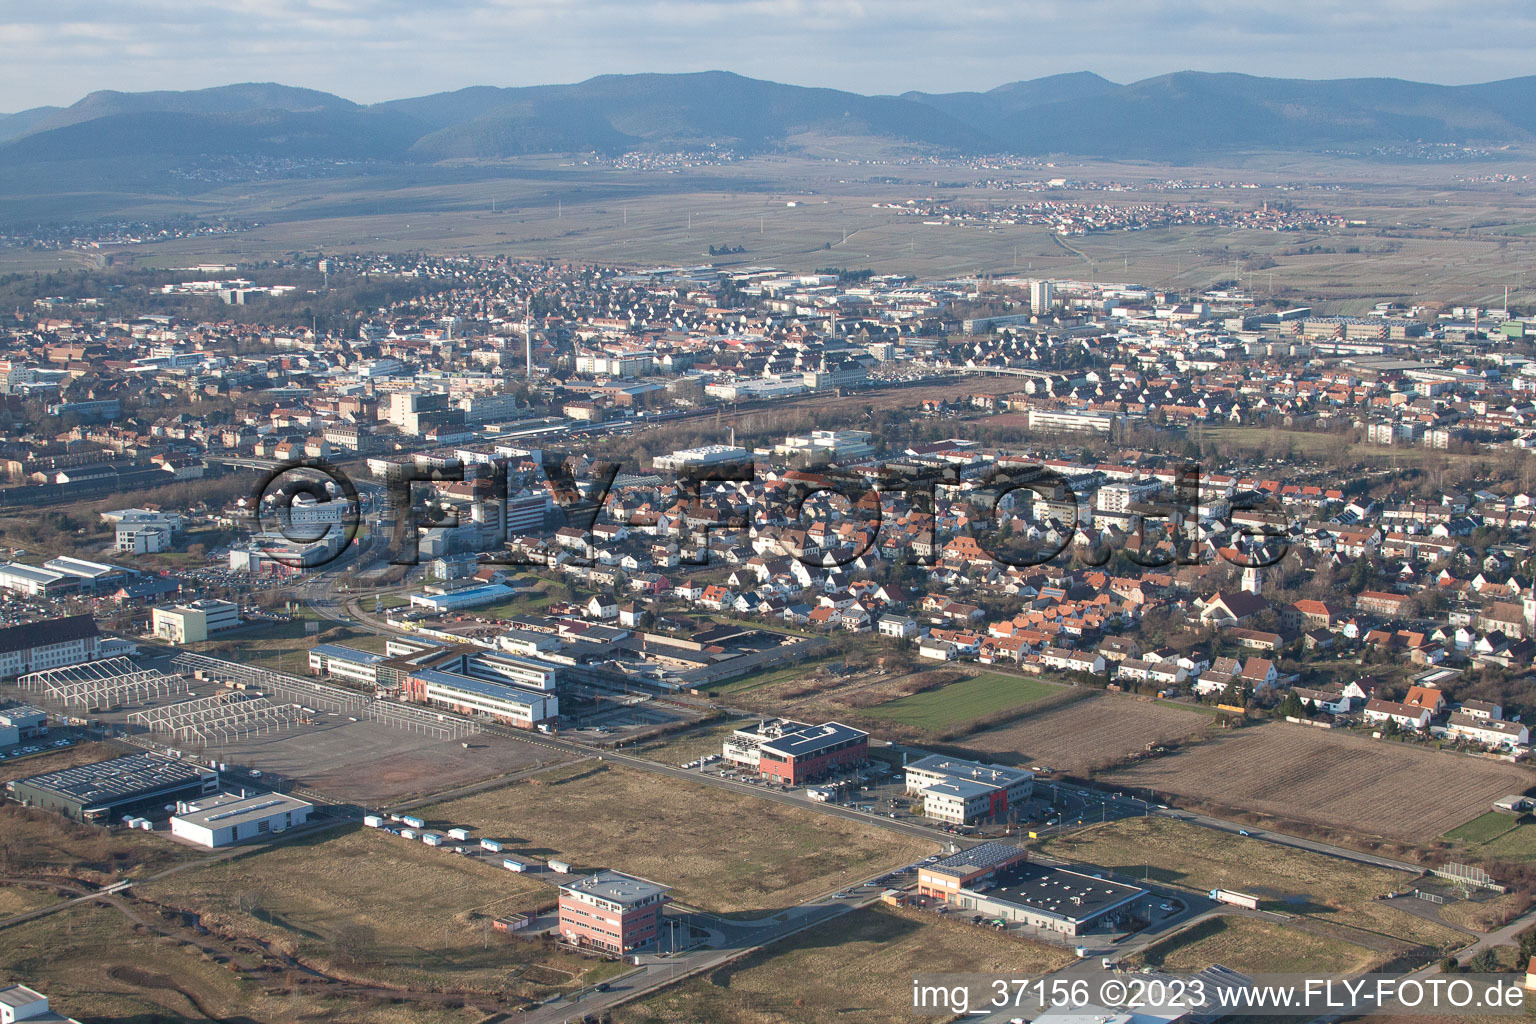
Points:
(341, 662)
(610, 911)
(961, 792)
(102, 792)
(945, 877)
(466, 695)
(193, 622)
(794, 752)
(466, 597)
(227, 818)
(1066, 902)
(33, 581)
(20, 1003)
(28, 721)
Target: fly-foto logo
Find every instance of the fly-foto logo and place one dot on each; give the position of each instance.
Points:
(1019, 516)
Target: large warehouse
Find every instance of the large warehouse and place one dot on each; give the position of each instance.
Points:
(793, 752)
(106, 791)
(226, 818)
(996, 880)
(961, 791)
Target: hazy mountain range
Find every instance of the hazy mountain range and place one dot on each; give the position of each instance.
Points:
(1178, 118)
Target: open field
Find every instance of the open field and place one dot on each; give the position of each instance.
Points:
(19, 899)
(722, 851)
(1309, 444)
(277, 646)
(1086, 735)
(986, 694)
(1337, 780)
(754, 680)
(34, 842)
(1496, 836)
(1488, 914)
(1253, 946)
(685, 747)
(858, 967)
(1424, 230)
(369, 905)
(96, 965)
(1290, 881)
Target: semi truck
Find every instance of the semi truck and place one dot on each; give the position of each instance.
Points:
(1236, 899)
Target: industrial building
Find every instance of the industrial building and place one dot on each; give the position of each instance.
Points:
(106, 791)
(227, 818)
(707, 455)
(463, 678)
(466, 695)
(968, 868)
(32, 581)
(192, 622)
(341, 662)
(28, 721)
(467, 597)
(19, 1003)
(1061, 901)
(996, 880)
(53, 643)
(610, 911)
(92, 577)
(961, 792)
(794, 752)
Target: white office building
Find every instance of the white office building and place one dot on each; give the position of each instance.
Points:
(961, 792)
(191, 623)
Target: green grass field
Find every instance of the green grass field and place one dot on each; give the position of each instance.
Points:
(965, 701)
(1498, 836)
(1486, 827)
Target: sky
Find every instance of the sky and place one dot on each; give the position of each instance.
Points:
(57, 51)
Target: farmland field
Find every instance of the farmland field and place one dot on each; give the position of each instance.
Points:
(1087, 735)
(858, 967)
(1252, 946)
(1333, 779)
(1322, 888)
(721, 850)
(986, 694)
(382, 908)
